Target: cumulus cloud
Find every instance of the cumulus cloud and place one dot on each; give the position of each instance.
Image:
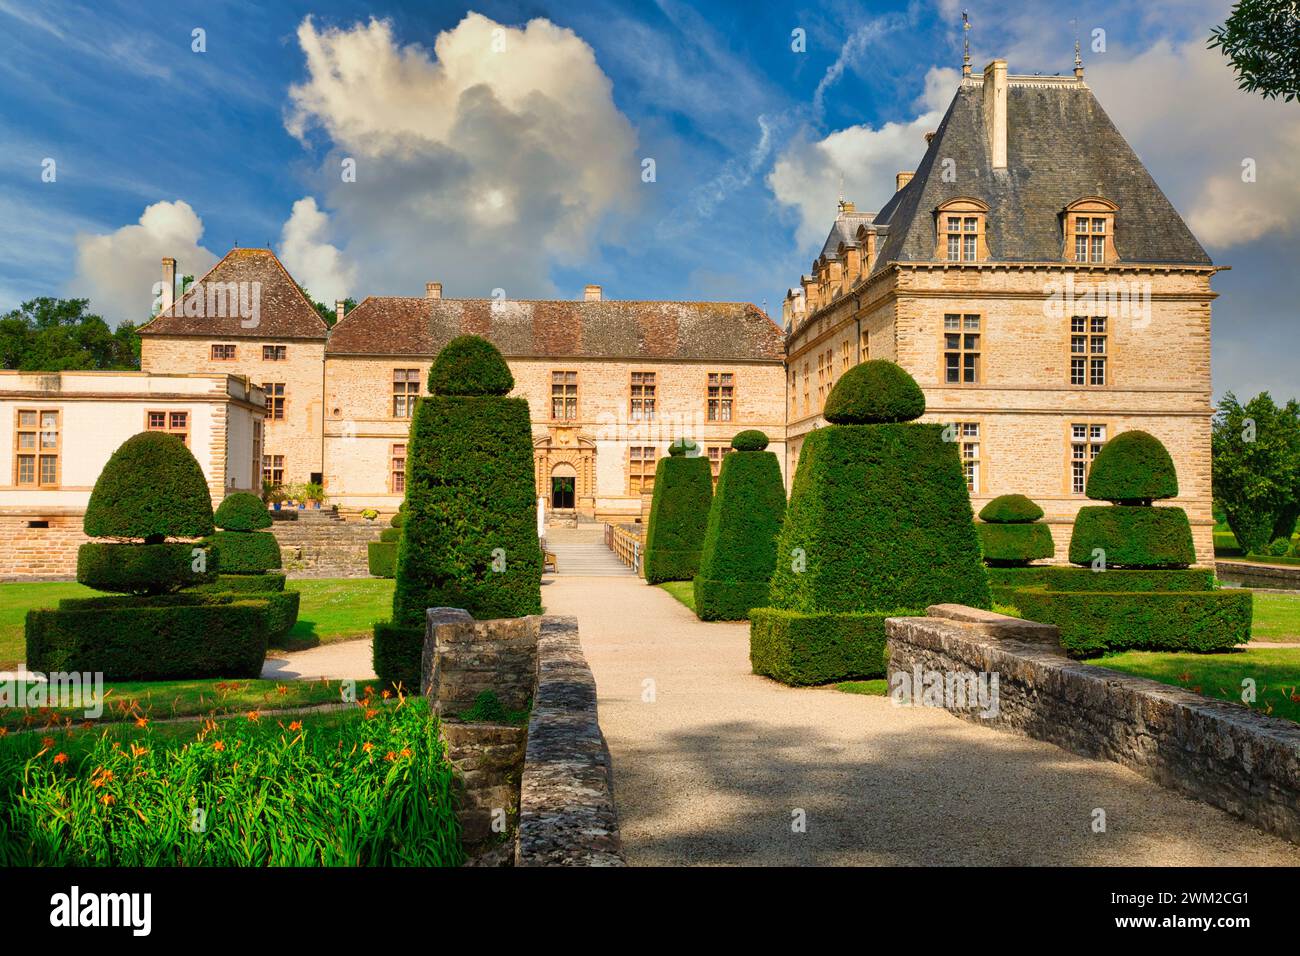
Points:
(117, 270)
(481, 163)
(311, 260)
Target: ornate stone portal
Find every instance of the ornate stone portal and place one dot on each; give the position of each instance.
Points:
(565, 468)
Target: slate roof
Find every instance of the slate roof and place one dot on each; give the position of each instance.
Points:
(844, 229)
(283, 312)
(1061, 147)
(417, 326)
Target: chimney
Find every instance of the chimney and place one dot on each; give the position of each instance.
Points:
(901, 180)
(340, 307)
(433, 290)
(168, 283)
(995, 111)
(592, 293)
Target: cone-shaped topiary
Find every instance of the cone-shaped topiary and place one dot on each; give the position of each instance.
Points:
(242, 511)
(1012, 534)
(152, 488)
(679, 512)
(873, 393)
(1133, 468)
(470, 365)
(740, 538)
(879, 524)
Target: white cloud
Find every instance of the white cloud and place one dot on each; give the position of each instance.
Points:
(117, 270)
(481, 164)
(310, 259)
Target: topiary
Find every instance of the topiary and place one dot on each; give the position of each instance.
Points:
(152, 488)
(749, 440)
(470, 365)
(874, 392)
(399, 517)
(1133, 468)
(1010, 509)
(246, 552)
(1010, 533)
(681, 447)
(242, 511)
(679, 513)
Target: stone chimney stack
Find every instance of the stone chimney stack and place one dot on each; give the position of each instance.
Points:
(168, 283)
(995, 111)
(901, 180)
(592, 294)
(340, 309)
(433, 290)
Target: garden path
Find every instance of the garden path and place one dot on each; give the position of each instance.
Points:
(342, 660)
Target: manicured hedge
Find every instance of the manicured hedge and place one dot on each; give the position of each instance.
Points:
(390, 535)
(1137, 536)
(1093, 622)
(1005, 581)
(381, 558)
(679, 514)
(397, 655)
(1011, 509)
(246, 552)
(153, 488)
(875, 392)
(144, 568)
(1129, 580)
(1132, 468)
(739, 550)
(146, 641)
(242, 511)
(281, 606)
(1015, 544)
(470, 365)
(800, 649)
(226, 583)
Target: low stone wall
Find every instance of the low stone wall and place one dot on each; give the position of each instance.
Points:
(1247, 575)
(463, 658)
(1218, 752)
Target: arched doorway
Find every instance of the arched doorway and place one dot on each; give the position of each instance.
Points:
(564, 487)
(562, 453)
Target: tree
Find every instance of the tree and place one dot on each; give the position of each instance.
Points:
(56, 335)
(1257, 468)
(1261, 38)
(327, 312)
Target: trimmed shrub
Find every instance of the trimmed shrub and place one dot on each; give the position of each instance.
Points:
(228, 583)
(1133, 536)
(242, 511)
(1015, 544)
(1113, 579)
(1011, 509)
(749, 440)
(739, 549)
(152, 488)
(470, 365)
(246, 552)
(381, 558)
(281, 607)
(1093, 622)
(1005, 581)
(144, 568)
(390, 535)
(397, 655)
(874, 392)
(679, 514)
(1132, 468)
(1279, 548)
(399, 518)
(800, 648)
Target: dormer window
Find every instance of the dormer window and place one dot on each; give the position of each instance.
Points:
(1090, 231)
(961, 231)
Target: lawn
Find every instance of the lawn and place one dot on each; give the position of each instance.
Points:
(684, 591)
(1276, 617)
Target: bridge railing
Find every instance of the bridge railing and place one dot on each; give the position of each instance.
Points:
(626, 543)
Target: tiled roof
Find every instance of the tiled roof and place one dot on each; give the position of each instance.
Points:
(716, 331)
(282, 311)
(844, 229)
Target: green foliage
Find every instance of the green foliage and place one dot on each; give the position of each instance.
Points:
(874, 392)
(1133, 536)
(1256, 475)
(57, 335)
(739, 549)
(281, 607)
(801, 648)
(1133, 468)
(226, 583)
(391, 536)
(1092, 622)
(1011, 509)
(381, 558)
(1015, 544)
(370, 787)
(143, 568)
(681, 447)
(749, 440)
(399, 517)
(1225, 545)
(488, 709)
(242, 511)
(679, 514)
(470, 365)
(1279, 548)
(329, 315)
(1261, 39)
(153, 488)
(397, 655)
(1129, 580)
(246, 552)
(1005, 581)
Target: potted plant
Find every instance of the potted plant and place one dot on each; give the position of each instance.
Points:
(370, 514)
(272, 494)
(315, 492)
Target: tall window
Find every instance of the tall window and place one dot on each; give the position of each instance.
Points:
(960, 227)
(275, 353)
(961, 349)
(1090, 230)
(223, 353)
(641, 461)
(721, 396)
(643, 397)
(397, 470)
(806, 402)
(821, 380)
(716, 454)
(257, 448)
(274, 399)
(845, 348)
(968, 433)
(564, 395)
(406, 389)
(1088, 351)
(1090, 239)
(37, 446)
(273, 469)
(1085, 442)
(962, 232)
(864, 347)
(794, 393)
(173, 423)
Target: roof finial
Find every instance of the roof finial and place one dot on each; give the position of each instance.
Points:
(965, 29)
(1078, 60)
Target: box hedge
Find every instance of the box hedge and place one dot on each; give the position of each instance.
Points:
(152, 488)
(1130, 580)
(281, 606)
(381, 558)
(397, 653)
(146, 568)
(800, 648)
(679, 515)
(1010, 545)
(226, 583)
(1005, 581)
(1133, 536)
(246, 552)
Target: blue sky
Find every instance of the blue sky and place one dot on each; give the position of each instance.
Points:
(522, 170)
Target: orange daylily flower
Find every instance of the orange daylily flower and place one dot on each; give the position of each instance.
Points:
(218, 746)
(106, 799)
(47, 742)
(370, 713)
(60, 758)
(295, 725)
(390, 756)
(367, 746)
(138, 751)
(254, 715)
(142, 721)
(406, 751)
(101, 777)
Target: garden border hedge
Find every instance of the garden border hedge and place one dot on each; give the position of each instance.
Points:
(799, 649)
(398, 653)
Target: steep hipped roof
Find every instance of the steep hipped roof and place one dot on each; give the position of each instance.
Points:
(844, 229)
(1061, 147)
(282, 311)
(714, 331)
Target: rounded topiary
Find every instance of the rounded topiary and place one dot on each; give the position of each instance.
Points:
(242, 511)
(1011, 509)
(470, 365)
(152, 488)
(749, 440)
(1132, 468)
(681, 447)
(874, 392)
(399, 518)
(246, 552)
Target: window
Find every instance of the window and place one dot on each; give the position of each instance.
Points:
(821, 380)
(1089, 239)
(794, 393)
(962, 233)
(397, 470)
(845, 348)
(37, 446)
(961, 349)
(641, 461)
(223, 353)
(257, 447)
(274, 399)
(564, 395)
(721, 396)
(968, 433)
(406, 389)
(806, 403)
(1090, 230)
(1085, 441)
(1088, 350)
(275, 353)
(716, 454)
(864, 347)
(273, 470)
(172, 423)
(961, 230)
(643, 397)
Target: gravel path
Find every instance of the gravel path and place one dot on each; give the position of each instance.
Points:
(342, 660)
(713, 769)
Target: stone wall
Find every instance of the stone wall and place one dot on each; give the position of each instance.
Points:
(1247, 575)
(1215, 751)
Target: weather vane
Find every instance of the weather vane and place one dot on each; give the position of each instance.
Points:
(965, 29)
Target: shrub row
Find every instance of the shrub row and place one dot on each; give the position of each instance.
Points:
(246, 552)
(799, 649)
(397, 655)
(145, 568)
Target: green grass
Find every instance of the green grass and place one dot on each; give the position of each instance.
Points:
(684, 591)
(16, 600)
(1276, 672)
(871, 688)
(1276, 617)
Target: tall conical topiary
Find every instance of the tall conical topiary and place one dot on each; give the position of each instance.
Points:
(1012, 534)
(879, 524)
(740, 538)
(679, 513)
